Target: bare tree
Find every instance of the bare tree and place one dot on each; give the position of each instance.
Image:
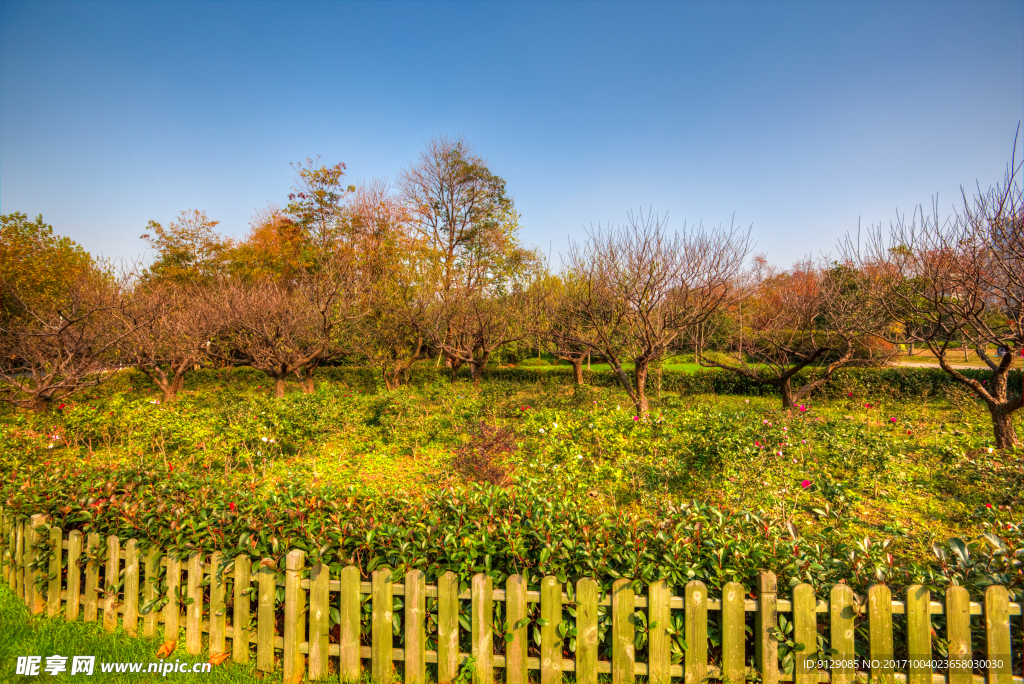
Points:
(284, 327)
(815, 315)
(642, 287)
(171, 326)
(393, 332)
(558, 326)
(962, 279)
(52, 347)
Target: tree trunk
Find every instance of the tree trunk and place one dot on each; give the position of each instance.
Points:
(41, 404)
(279, 387)
(478, 366)
(577, 369)
(172, 388)
(786, 390)
(308, 387)
(1002, 424)
(641, 390)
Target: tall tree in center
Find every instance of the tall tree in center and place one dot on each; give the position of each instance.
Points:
(477, 272)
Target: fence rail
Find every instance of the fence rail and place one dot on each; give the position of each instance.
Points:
(302, 646)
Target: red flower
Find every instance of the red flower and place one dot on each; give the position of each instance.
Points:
(232, 507)
(171, 470)
(850, 395)
(988, 505)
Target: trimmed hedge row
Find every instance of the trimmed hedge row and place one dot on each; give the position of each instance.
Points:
(894, 381)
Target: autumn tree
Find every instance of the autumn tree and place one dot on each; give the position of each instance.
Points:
(816, 315)
(470, 256)
(188, 249)
(35, 263)
(960, 279)
(275, 247)
(641, 287)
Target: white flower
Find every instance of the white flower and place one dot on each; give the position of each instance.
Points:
(555, 425)
(154, 401)
(990, 450)
(779, 453)
(264, 439)
(591, 425)
(748, 401)
(579, 458)
(541, 431)
(618, 408)
(271, 441)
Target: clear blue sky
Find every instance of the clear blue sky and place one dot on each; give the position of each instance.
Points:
(799, 118)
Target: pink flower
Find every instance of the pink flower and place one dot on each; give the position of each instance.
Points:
(892, 420)
(850, 395)
(636, 417)
(805, 484)
(803, 408)
(803, 441)
(867, 406)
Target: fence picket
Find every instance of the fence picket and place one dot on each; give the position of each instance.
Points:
(766, 620)
(841, 617)
(587, 591)
(696, 618)
(265, 618)
(623, 632)
(7, 550)
(19, 560)
(242, 585)
(805, 634)
(880, 634)
(515, 650)
(130, 618)
(54, 571)
(958, 632)
(172, 611)
(447, 627)
(919, 635)
(33, 597)
(382, 650)
(997, 635)
(149, 591)
(111, 582)
(218, 607)
(319, 620)
(194, 607)
(733, 633)
(73, 605)
(481, 590)
(550, 641)
(350, 608)
(92, 577)
(659, 597)
(415, 627)
(292, 661)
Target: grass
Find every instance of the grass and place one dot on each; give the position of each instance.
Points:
(23, 635)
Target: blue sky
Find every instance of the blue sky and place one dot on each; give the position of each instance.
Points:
(797, 118)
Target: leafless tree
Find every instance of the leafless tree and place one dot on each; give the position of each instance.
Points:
(283, 327)
(642, 287)
(171, 327)
(55, 346)
(960, 279)
(816, 315)
(558, 326)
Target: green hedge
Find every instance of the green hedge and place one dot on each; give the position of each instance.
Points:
(891, 381)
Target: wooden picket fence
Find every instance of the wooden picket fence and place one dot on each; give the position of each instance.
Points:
(303, 649)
